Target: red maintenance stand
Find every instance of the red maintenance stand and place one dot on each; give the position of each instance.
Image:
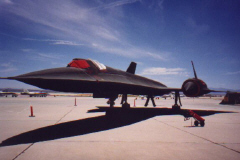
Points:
(198, 119)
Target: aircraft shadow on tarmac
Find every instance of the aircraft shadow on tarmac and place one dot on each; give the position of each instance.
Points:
(114, 118)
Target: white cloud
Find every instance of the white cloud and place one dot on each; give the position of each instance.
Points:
(7, 67)
(51, 56)
(195, 28)
(55, 42)
(115, 4)
(82, 25)
(129, 51)
(5, 64)
(7, 70)
(164, 71)
(27, 50)
(6, 2)
(33, 54)
(68, 43)
(233, 73)
(106, 34)
(155, 56)
(156, 5)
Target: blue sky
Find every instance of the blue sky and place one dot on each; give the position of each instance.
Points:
(162, 36)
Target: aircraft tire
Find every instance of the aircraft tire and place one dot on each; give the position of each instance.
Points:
(202, 123)
(196, 123)
(126, 106)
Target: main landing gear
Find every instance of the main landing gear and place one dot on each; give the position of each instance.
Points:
(111, 100)
(177, 99)
(124, 103)
(147, 101)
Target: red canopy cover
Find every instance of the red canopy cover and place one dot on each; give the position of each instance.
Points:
(79, 64)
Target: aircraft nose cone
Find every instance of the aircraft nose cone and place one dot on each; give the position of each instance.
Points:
(55, 73)
(65, 79)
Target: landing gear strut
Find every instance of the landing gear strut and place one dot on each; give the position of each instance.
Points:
(111, 100)
(124, 103)
(177, 106)
(153, 102)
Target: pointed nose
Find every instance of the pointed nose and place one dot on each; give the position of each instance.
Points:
(65, 79)
(64, 73)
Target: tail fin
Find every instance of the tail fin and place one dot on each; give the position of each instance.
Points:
(25, 91)
(132, 68)
(195, 74)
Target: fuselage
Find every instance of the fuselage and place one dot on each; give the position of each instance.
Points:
(92, 80)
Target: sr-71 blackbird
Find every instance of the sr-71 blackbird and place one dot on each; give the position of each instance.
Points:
(90, 76)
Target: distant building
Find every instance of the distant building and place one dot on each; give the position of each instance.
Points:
(231, 98)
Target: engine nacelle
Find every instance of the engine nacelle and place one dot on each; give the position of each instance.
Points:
(194, 87)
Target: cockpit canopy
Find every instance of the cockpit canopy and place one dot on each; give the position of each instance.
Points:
(88, 64)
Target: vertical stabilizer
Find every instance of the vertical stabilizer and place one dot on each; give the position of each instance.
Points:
(195, 74)
(132, 67)
(25, 91)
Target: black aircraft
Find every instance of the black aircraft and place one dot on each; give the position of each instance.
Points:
(90, 76)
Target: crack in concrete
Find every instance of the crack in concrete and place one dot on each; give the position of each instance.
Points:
(34, 143)
(65, 115)
(219, 144)
(23, 151)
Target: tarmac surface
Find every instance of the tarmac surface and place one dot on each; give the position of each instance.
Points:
(61, 130)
